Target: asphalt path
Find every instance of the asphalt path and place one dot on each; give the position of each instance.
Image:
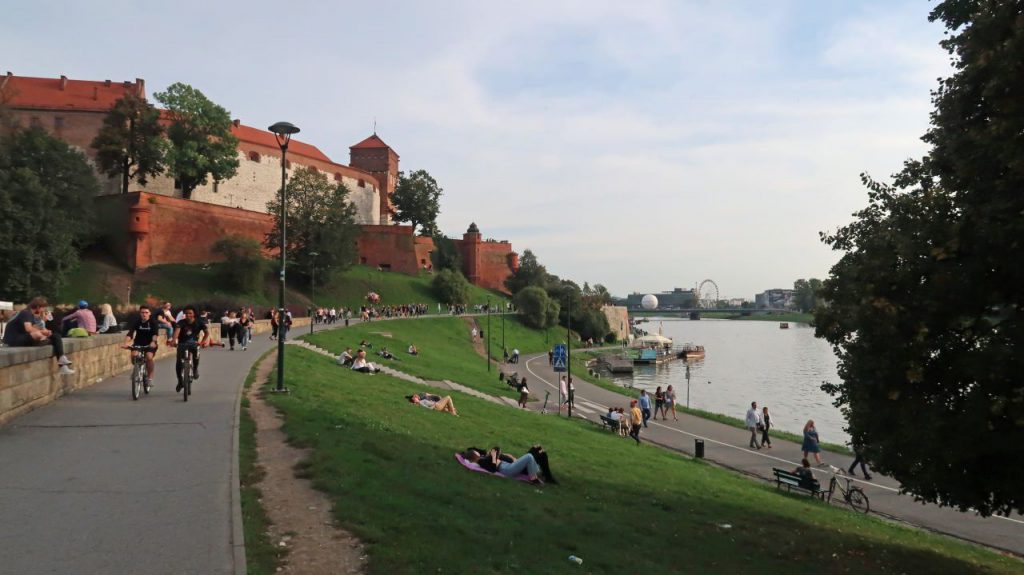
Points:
(729, 447)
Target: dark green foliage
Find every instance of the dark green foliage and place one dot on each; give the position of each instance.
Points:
(590, 323)
(806, 297)
(202, 145)
(130, 144)
(46, 212)
(445, 255)
(530, 273)
(244, 265)
(450, 286)
(417, 197)
(925, 307)
(536, 309)
(320, 220)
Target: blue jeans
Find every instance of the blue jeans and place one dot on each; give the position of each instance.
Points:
(525, 462)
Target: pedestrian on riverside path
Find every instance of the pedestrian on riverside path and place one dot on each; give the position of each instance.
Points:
(670, 401)
(811, 442)
(524, 393)
(766, 423)
(659, 403)
(645, 405)
(636, 416)
(858, 450)
(752, 421)
(563, 393)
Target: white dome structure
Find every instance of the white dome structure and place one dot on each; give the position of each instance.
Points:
(649, 302)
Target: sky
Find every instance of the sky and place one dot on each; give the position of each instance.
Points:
(641, 145)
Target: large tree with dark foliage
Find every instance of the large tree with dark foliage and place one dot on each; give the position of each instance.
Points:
(46, 212)
(529, 273)
(131, 144)
(926, 306)
(202, 145)
(417, 197)
(320, 220)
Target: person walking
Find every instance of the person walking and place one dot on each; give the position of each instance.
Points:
(637, 417)
(659, 403)
(645, 405)
(766, 423)
(670, 402)
(858, 451)
(524, 393)
(812, 444)
(752, 421)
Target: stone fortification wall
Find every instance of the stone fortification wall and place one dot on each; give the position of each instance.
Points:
(618, 320)
(29, 376)
(394, 248)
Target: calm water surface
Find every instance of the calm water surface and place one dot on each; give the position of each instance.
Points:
(750, 361)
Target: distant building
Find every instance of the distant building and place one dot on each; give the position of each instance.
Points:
(678, 298)
(775, 298)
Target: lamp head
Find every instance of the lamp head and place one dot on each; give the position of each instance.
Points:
(283, 131)
(313, 254)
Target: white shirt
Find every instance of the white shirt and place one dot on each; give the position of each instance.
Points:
(753, 417)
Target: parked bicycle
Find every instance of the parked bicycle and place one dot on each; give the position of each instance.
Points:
(854, 496)
(140, 375)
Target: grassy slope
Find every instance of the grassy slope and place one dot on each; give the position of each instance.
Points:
(388, 466)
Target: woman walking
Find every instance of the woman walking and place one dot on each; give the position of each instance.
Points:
(766, 423)
(659, 403)
(670, 401)
(811, 442)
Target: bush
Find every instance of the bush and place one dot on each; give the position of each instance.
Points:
(536, 308)
(244, 266)
(451, 287)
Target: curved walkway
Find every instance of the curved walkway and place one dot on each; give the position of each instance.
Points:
(727, 446)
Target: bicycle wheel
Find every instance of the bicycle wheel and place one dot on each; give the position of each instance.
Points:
(858, 500)
(186, 379)
(137, 381)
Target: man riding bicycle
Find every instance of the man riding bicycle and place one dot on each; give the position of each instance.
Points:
(142, 333)
(189, 333)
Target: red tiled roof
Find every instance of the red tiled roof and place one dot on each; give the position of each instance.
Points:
(252, 135)
(372, 142)
(64, 94)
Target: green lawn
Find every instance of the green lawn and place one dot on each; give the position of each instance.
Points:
(389, 468)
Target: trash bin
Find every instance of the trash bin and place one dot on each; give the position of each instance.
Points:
(698, 448)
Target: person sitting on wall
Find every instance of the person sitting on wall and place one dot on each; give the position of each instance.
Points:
(28, 328)
(82, 317)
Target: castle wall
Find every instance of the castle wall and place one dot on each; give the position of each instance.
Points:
(487, 263)
(618, 320)
(395, 248)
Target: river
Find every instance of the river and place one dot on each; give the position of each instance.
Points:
(750, 361)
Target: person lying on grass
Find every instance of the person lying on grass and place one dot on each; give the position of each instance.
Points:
(365, 343)
(385, 353)
(530, 464)
(435, 402)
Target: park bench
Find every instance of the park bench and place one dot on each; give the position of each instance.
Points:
(792, 480)
(612, 424)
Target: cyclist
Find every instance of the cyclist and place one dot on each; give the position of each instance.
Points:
(143, 332)
(190, 330)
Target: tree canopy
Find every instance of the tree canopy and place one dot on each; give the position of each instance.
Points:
(417, 197)
(450, 286)
(446, 255)
(131, 144)
(201, 143)
(46, 212)
(806, 294)
(537, 309)
(529, 273)
(321, 220)
(925, 306)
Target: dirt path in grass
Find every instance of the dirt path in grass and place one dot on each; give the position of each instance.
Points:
(300, 515)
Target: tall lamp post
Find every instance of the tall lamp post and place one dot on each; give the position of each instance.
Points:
(488, 334)
(568, 358)
(312, 285)
(283, 131)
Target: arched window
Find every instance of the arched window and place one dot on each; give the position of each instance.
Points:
(254, 156)
(337, 176)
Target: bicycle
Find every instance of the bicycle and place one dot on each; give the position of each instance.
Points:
(187, 366)
(853, 496)
(140, 374)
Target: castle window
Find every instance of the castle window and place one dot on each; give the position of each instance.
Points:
(35, 122)
(337, 176)
(314, 169)
(254, 156)
(362, 183)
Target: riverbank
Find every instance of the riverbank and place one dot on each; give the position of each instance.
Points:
(739, 314)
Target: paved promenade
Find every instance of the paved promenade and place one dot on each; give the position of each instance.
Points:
(727, 446)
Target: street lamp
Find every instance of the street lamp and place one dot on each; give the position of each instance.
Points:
(312, 285)
(488, 334)
(568, 358)
(283, 132)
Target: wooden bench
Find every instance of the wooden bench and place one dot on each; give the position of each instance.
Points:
(792, 480)
(612, 424)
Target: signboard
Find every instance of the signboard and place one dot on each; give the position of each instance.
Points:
(560, 360)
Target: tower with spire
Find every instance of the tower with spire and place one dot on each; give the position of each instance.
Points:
(374, 156)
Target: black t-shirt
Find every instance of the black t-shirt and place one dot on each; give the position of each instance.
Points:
(144, 331)
(190, 331)
(16, 327)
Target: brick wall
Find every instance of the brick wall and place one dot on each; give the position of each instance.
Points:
(393, 247)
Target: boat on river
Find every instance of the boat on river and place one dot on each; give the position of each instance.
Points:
(690, 351)
(783, 325)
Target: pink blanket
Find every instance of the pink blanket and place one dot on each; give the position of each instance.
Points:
(474, 467)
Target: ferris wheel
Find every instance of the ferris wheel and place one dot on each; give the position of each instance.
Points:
(707, 294)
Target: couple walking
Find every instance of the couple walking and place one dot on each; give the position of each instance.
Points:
(759, 421)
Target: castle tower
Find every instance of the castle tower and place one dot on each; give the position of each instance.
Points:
(471, 253)
(374, 156)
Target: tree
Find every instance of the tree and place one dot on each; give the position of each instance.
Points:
(450, 286)
(806, 296)
(925, 306)
(536, 308)
(244, 265)
(46, 212)
(529, 273)
(131, 143)
(417, 197)
(321, 220)
(201, 143)
(446, 255)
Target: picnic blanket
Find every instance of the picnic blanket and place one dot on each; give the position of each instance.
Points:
(474, 467)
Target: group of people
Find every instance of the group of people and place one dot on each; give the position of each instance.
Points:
(330, 316)
(237, 326)
(533, 464)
